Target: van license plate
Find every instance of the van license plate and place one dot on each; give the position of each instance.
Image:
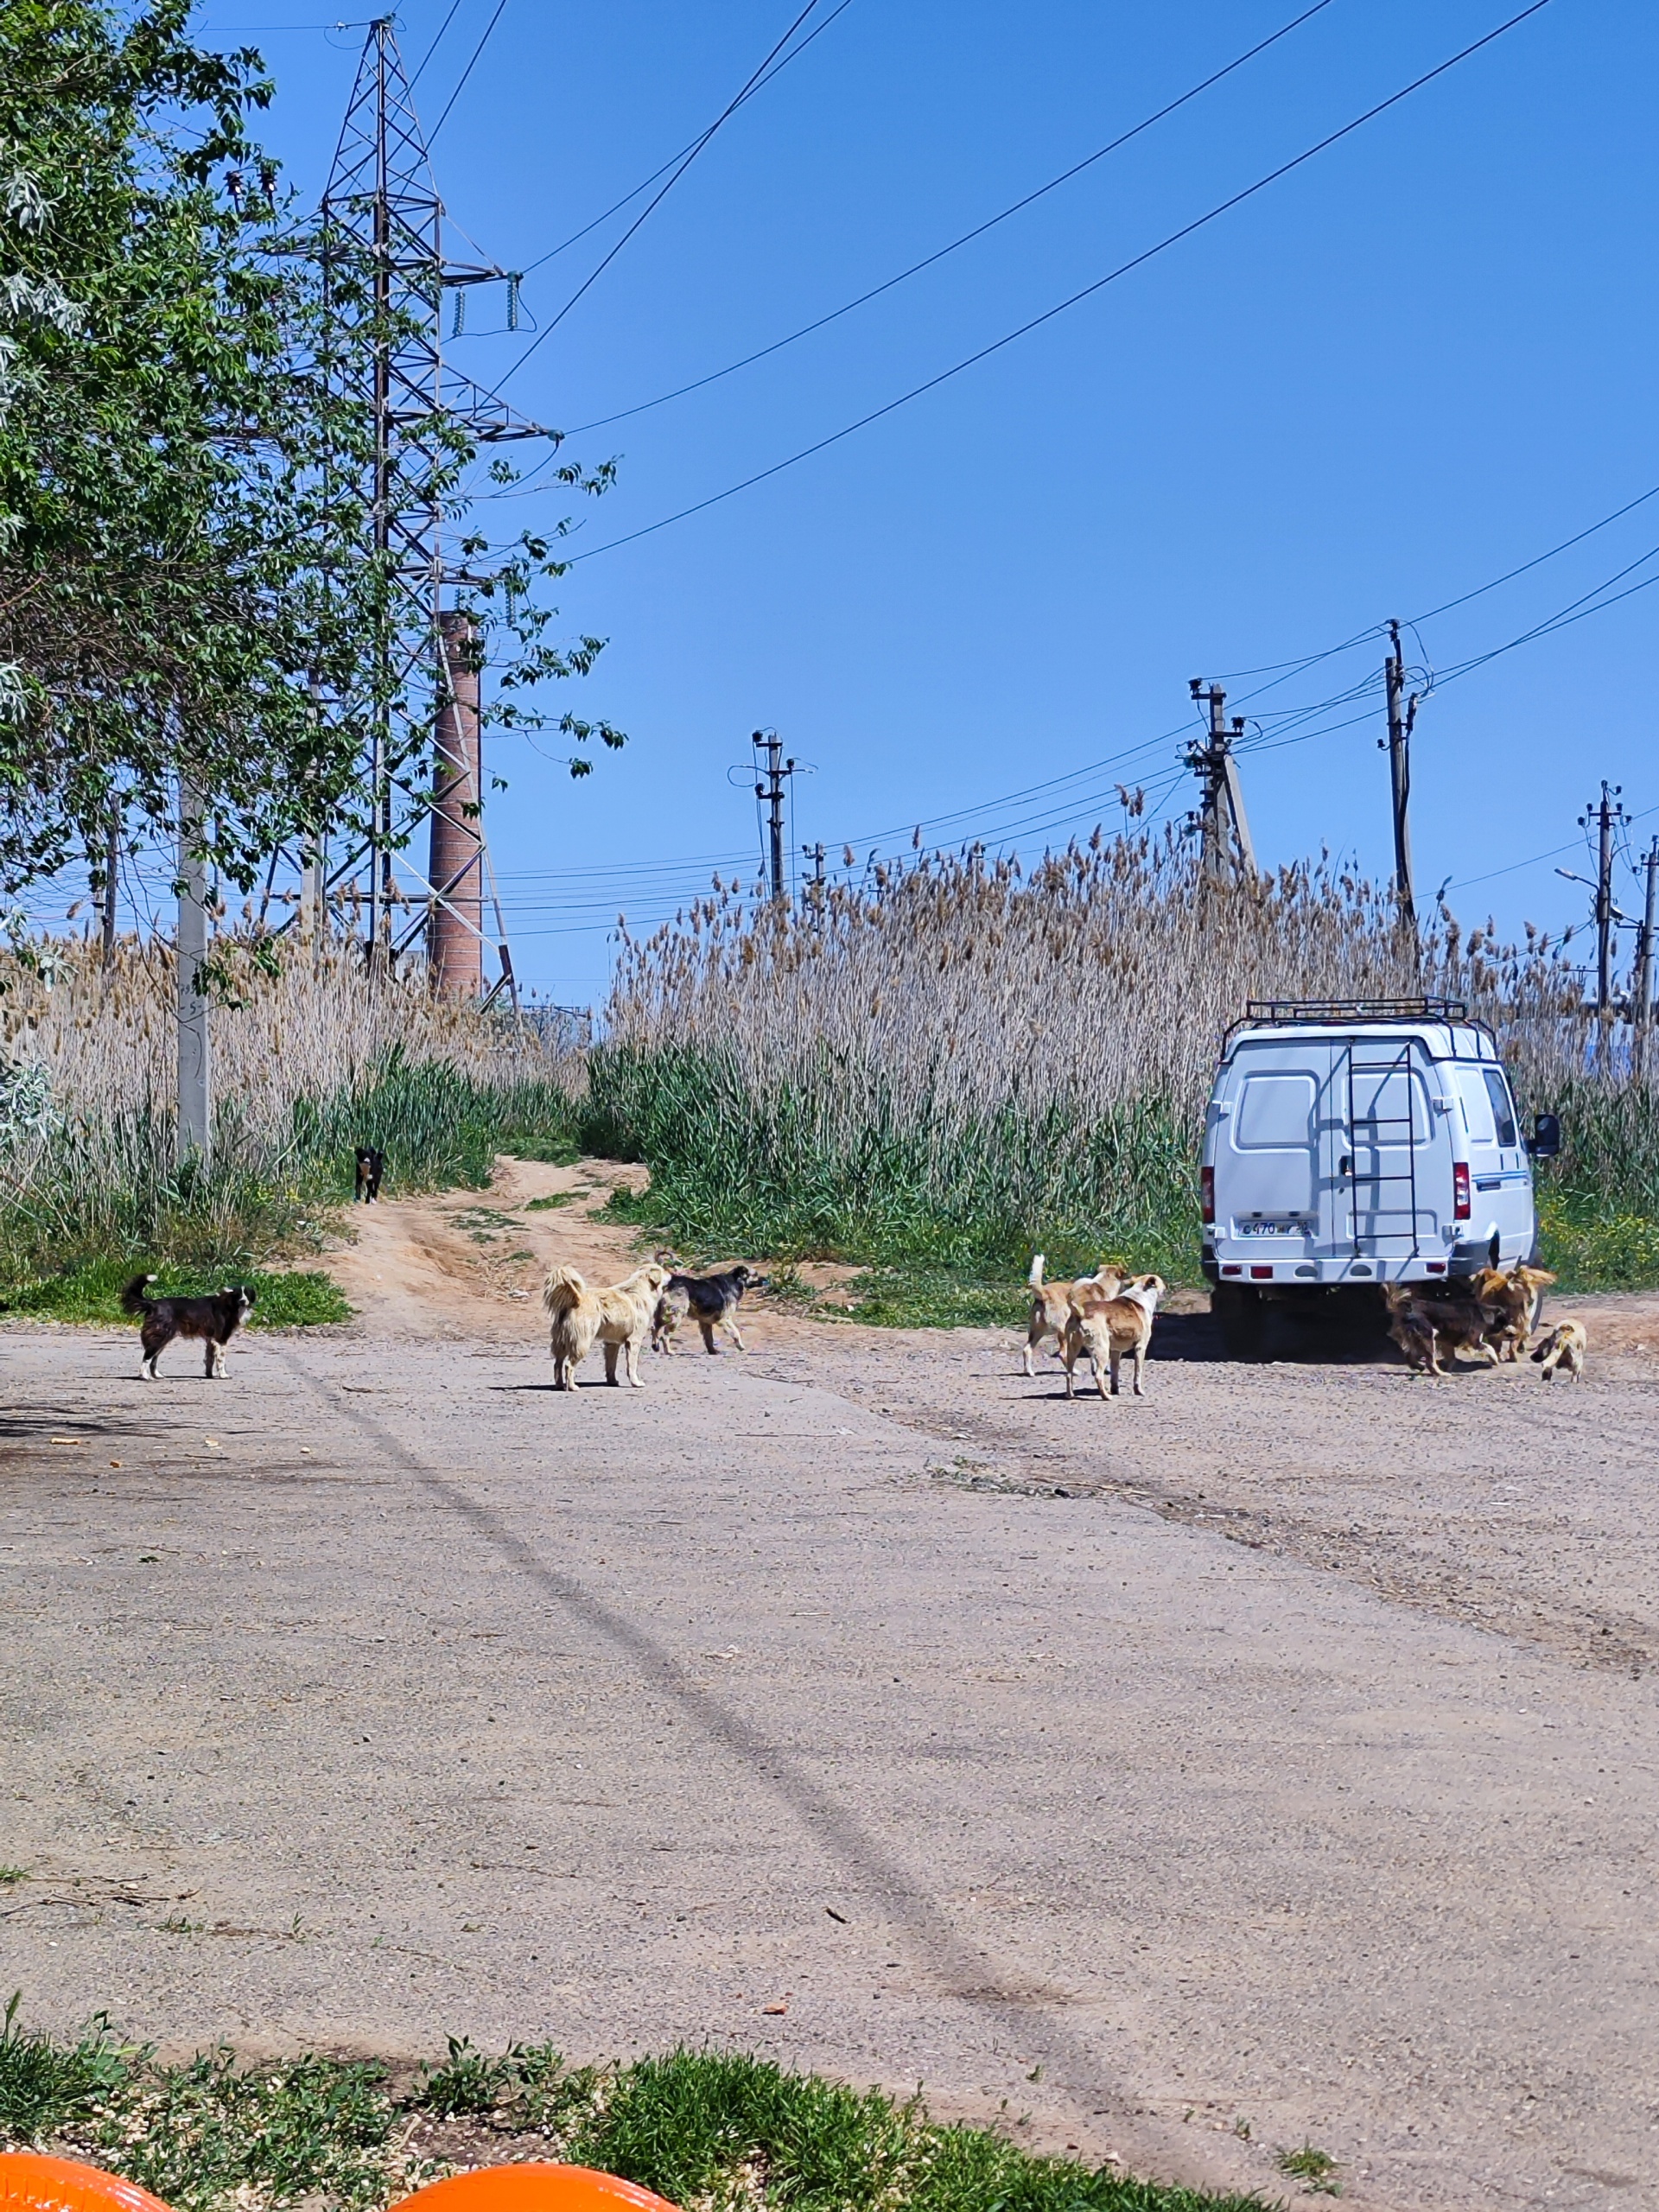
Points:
(1268, 1228)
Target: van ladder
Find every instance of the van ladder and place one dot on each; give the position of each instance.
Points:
(1377, 1126)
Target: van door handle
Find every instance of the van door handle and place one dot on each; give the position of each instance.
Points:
(1345, 1165)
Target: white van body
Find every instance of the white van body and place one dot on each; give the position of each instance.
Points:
(1357, 1144)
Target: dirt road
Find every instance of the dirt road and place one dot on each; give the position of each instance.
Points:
(1278, 1750)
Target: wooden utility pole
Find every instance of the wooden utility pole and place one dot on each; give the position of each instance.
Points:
(1402, 715)
(110, 889)
(776, 771)
(195, 1126)
(1607, 817)
(1222, 826)
(1642, 983)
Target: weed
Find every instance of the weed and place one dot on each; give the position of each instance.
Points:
(553, 1198)
(1315, 2167)
(713, 2129)
(9, 1874)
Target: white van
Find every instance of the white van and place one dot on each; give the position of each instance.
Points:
(1352, 1142)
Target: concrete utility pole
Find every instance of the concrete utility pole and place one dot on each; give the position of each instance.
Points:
(1642, 984)
(1402, 715)
(776, 769)
(195, 1087)
(110, 885)
(1221, 820)
(456, 869)
(815, 854)
(1607, 817)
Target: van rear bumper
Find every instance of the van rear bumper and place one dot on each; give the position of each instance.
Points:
(1296, 1271)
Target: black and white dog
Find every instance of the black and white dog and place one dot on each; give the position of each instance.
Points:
(711, 1301)
(371, 1166)
(214, 1319)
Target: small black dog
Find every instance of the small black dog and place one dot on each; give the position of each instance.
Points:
(371, 1166)
(215, 1319)
(711, 1301)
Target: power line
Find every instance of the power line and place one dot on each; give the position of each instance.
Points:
(432, 134)
(645, 183)
(979, 230)
(651, 205)
(1036, 322)
(437, 41)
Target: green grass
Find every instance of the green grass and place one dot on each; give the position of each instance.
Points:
(554, 1199)
(92, 1291)
(1315, 2167)
(714, 2130)
(99, 1204)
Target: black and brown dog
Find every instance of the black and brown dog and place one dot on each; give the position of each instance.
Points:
(213, 1320)
(710, 1301)
(371, 1166)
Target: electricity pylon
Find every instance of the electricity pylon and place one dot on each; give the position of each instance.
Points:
(384, 276)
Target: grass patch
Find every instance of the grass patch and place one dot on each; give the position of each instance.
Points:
(92, 1291)
(713, 2130)
(1315, 2167)
(553, 1198)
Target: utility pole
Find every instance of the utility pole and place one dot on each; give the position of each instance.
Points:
(1641, 984)
(195, 1090)
(815, 854)
(1221, 821)
(776, 771)
(1403, 716)
(1607, 817)
(110, 885)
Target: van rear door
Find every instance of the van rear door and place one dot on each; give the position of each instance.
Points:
(1501, 1198)
(1384, 1169)
(1274, 1158)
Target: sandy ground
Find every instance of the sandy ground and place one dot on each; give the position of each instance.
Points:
(1278, 1750)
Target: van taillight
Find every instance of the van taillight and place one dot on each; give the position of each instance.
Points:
(1207, 1195)
(1460, 1189)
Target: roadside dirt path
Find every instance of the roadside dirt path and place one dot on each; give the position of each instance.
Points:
(1277, 1751)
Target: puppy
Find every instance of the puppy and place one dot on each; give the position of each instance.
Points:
(214, 1319)
(1517, 1295)
(618, 1317)
(1107, 1326)
(1426, 1327)
(371, 1166)
(711, 1301)
(1564, 1346)
(1050, 1302)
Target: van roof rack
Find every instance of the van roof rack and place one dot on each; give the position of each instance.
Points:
(1260, 1013)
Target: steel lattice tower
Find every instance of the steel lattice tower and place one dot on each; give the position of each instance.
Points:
(385, 274)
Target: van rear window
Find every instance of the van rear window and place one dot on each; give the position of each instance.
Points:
(1275, 1111)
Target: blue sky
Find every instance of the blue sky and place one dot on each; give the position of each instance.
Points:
(1422, 359)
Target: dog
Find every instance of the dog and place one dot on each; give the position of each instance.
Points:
(618, 1317)
(1050, 1302)
(711, 1301)
(1564, 1346)
(215, 1319)
(371, 1166)
(1518, 1296)
(1424, 1327)
(1107, 1326)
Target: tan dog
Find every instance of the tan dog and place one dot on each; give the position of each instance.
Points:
(1106, 1327)
(1050, 1302)
(1424, 1327)
(1517, 1295)
(619, 1318)
(1564, 1346)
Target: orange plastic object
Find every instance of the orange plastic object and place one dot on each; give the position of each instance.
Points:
(31, 2183)
(532, 2188)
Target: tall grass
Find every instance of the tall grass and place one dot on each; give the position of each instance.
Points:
(949, 1061)
(310, 1058)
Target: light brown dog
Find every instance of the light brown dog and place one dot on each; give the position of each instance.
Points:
(1106, 1327)
(1517, 1295)
(1050, 1302)
(1564, 1346)
(619, 1318)
(1424, 1327)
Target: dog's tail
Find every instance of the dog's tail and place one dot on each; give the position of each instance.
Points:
(563, 1289)
(1035, 1280)
(132, 1296)
(1396, 1296)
